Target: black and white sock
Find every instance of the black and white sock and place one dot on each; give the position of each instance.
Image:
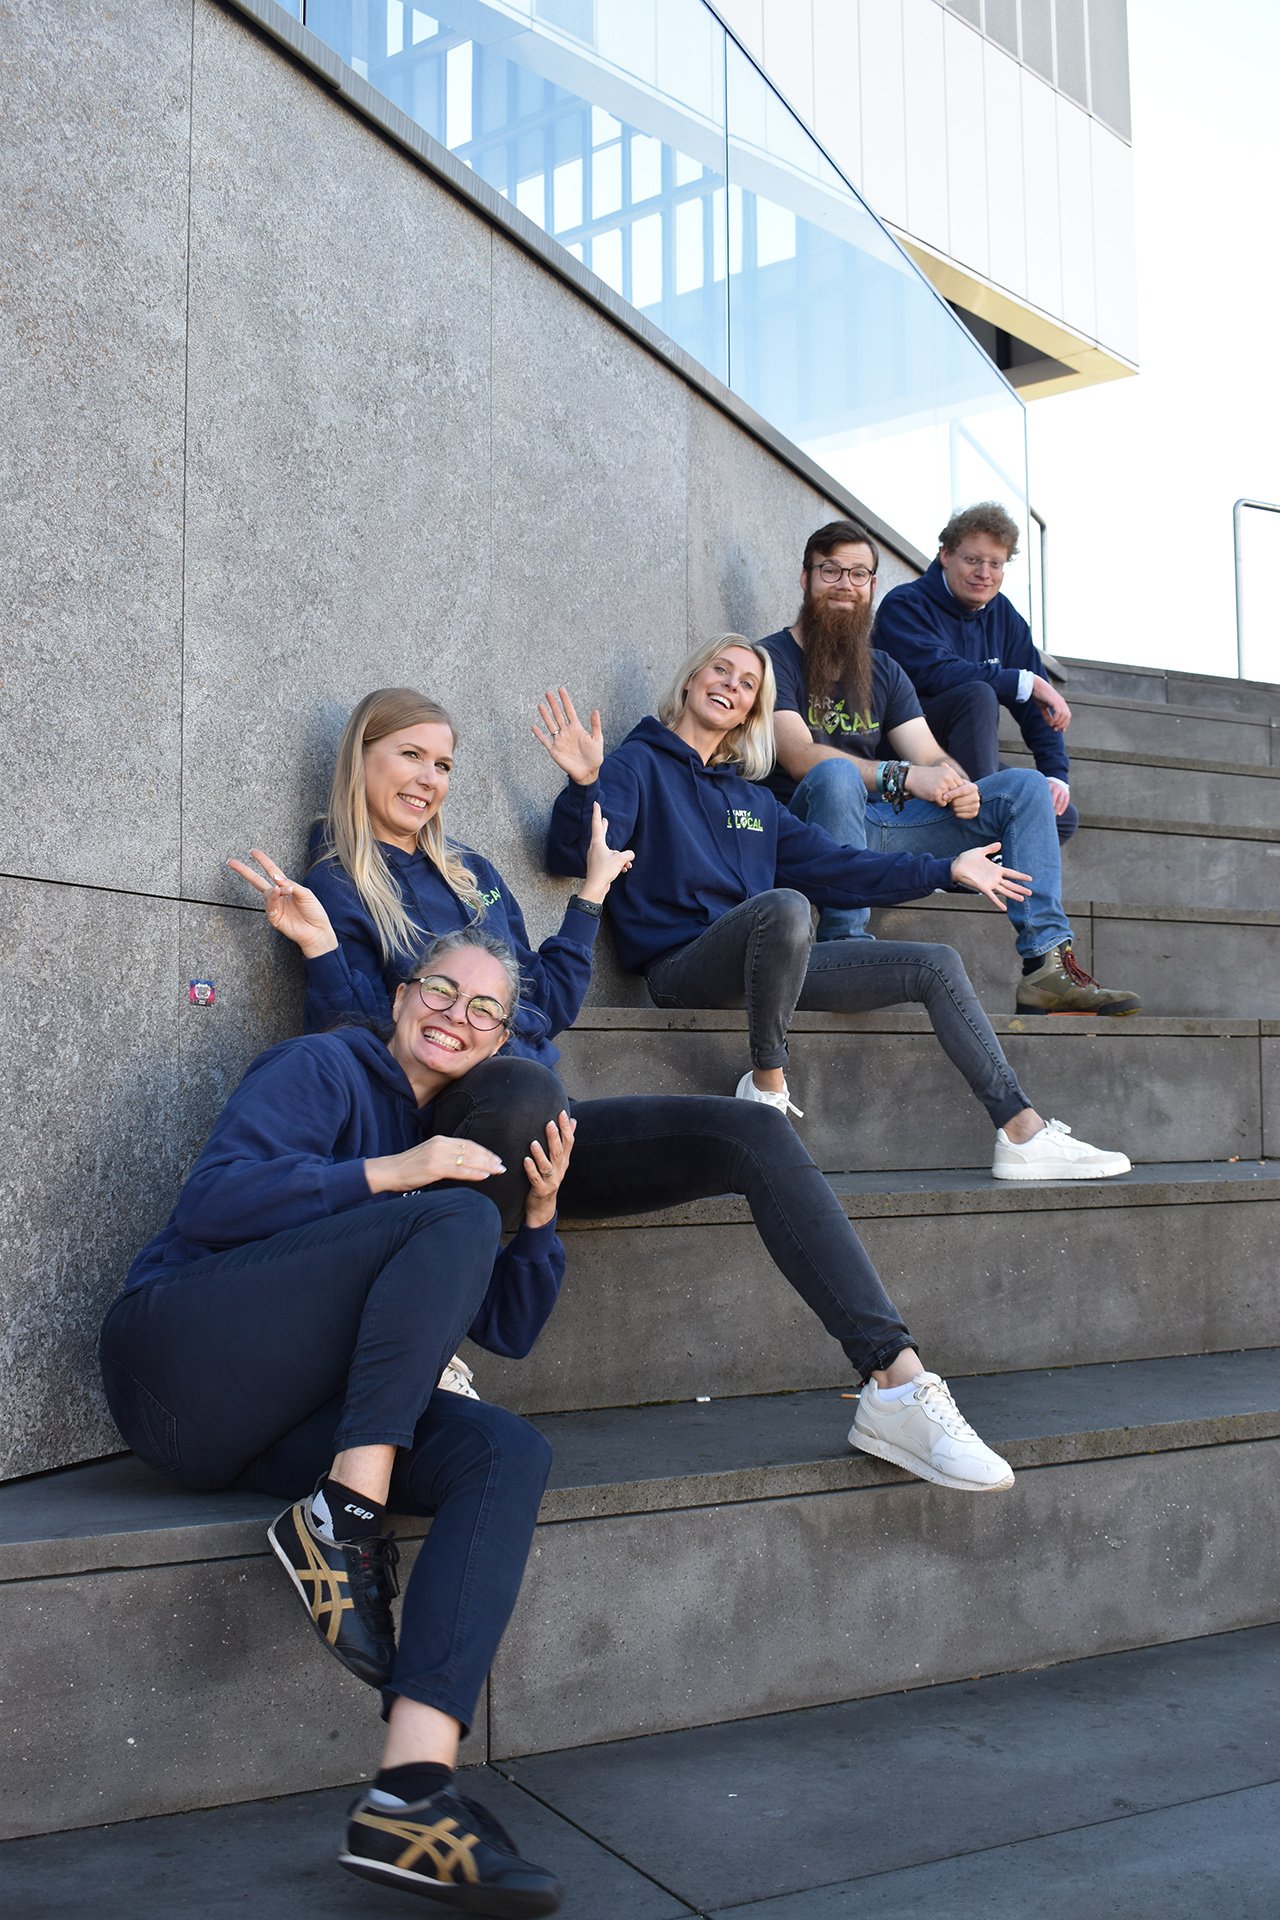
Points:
(337, 1513)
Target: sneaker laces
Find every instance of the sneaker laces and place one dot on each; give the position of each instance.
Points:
(487, 1824)
(371, 1566)
(935, 1398)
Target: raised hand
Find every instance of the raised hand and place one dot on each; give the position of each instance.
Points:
(604, 864)
(545, 1168)
(292, 909)
(576, 750)
(442, 1157)
(975, 870)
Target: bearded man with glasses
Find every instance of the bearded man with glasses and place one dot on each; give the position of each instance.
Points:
(844, 706)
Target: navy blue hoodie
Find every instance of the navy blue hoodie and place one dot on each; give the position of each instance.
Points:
(356, 980)
(705, 840)
(289, 1147)
(940, 643)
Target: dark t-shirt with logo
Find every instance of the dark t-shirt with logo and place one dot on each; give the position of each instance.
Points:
(893, 701)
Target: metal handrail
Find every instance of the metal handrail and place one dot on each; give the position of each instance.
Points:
(1263, 506)
(1043, 525)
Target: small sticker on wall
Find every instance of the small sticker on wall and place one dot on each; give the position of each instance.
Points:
(200, 993)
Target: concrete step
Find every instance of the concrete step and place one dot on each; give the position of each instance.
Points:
(990, 1277)
(1161, 1090)
(1165, 728)
(1163, 686)
(1043, 1788)
(1174, 793)
(692, 1564)
(1135, 862)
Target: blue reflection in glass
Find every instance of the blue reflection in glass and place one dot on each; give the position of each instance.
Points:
(640, 136)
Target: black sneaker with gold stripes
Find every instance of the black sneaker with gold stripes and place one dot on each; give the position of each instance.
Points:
(346, 1587)
(451, 1849)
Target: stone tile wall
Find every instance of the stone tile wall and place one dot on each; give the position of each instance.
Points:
(289, 421)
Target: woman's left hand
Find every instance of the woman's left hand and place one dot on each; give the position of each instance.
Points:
(576, 750)
(545, 1168)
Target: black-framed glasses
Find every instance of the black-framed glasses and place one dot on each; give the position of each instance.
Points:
(438, 992)
(858, 576)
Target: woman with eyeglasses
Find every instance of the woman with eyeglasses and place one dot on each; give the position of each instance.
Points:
(287, 1329)
(386, 870)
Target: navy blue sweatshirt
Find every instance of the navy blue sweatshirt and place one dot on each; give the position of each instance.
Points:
(705, 840)
(289, 1147)
(940, 643)
(356, 980)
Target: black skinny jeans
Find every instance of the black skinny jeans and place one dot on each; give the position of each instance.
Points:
(255, 1366)
(639, 1153)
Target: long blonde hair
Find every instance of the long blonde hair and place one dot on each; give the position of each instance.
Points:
(348, 833)
(749, 746)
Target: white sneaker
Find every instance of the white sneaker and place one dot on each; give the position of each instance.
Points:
(1054, 1154)
(457, 1378)
(748, 1090)
(926, 1433)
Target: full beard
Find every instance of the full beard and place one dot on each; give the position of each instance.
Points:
(837, 653)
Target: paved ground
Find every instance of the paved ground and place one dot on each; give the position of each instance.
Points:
(1139, 1786)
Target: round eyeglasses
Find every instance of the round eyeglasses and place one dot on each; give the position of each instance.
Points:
(439, 992)
(830, 572)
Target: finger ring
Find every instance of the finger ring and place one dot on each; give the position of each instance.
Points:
(554, 732)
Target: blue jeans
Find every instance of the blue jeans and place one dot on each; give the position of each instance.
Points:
(965, 720)
(1016, 810)
(760, 956)
(255, 1366)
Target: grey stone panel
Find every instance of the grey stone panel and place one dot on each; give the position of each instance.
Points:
(668, 1313)
(1211, 967)
(1126, 867)
(1121, 790)
(339, 449)
(1252, 697)
(587, 568)
(177, 1687)
(1270, 1093)
(1114, 1081)
(1172, 1862)
(95, 195)
(638, 1624)
(1115, 683)
(1121, 727)
(91, 1008)
(1078, 1756)
(257, 980)
(277, 1859)
(746, 533)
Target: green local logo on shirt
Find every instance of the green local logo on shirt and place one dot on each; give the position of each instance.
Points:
(830, 717)
(491, 898)
(739, 820)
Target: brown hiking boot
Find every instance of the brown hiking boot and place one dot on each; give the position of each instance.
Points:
(1061, 985)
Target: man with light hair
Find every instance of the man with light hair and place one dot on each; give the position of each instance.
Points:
(968, 652)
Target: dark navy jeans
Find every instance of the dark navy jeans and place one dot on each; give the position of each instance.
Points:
(637, 1153)
(966, 721)
(253, 1367)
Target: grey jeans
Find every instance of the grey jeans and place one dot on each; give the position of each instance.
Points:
(761, 956)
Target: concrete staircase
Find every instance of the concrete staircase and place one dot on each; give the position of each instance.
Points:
(703, 1560)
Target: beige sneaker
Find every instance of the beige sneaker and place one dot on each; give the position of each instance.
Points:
(1061, 985)
(926, 1433)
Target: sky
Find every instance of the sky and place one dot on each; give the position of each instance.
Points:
(1137, 478)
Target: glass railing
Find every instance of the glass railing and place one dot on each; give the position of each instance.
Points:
(640, 137)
